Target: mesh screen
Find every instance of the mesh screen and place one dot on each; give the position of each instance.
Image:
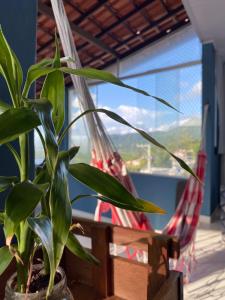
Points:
(180, 85)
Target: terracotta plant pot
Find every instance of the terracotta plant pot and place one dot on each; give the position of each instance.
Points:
(60, 290)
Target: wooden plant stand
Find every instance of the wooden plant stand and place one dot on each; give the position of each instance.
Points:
(119, 278)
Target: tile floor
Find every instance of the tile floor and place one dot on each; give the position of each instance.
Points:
(208, 278)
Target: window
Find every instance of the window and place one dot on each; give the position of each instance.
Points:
(171, 70)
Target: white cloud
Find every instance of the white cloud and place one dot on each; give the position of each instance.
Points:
(196, 89)
(139, 117)
(75, 101)
(187, 122)
(192, 93)
(134, 112)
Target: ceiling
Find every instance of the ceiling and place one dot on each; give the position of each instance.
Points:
(208, 20)
(106, 31)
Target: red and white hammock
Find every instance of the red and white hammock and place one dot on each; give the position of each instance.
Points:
(184, 222)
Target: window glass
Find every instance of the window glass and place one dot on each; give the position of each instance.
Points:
(180, 131)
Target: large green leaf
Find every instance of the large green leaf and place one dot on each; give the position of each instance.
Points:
(15, 122)
(54, 90)
(77, 249)
(4, 106)
(20, 203)
(144, 134)
(61, 212)
(5, 259)
(43, 228)
(60, 207)
(110, 78)
(152, 208)
(15, 154)
(10, 69)
(7, 181)
(44, 110)
(109, 187)
(35, 72)
(68, 155)
(38, 70)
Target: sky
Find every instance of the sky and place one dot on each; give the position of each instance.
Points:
(180, 87)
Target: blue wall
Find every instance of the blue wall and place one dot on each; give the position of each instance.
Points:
(212, 181)
(18, 21)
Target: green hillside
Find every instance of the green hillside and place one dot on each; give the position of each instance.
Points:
(183, 137)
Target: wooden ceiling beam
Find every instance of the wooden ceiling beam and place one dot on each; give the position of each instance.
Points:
(126, 17)
(43, 8)
(115, 14)
(145, 15)
(146, 43)
(151, 25)
(158, 36)
(156, 23)
(155, 38)
(90, 11)
(166, 8)
(90, 17)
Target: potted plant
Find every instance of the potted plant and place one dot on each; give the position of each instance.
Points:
(38, 210)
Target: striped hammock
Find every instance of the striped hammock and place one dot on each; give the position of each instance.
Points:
(184, 222)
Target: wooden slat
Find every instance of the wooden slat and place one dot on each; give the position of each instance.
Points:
(158, 261)
(83, 292)
(129, 279)
(100, 249)
(114, 298)
(130, 237)
(139, 239)
(77, 270)
(171, 288)
(4, 277)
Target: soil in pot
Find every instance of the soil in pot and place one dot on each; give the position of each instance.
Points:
(38, 287)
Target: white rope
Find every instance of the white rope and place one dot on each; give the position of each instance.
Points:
(99, 140)
(94, 123)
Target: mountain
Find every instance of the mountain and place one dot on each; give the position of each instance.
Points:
(174, 136)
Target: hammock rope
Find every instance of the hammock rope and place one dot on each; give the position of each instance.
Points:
(104, 155)
(184, 222)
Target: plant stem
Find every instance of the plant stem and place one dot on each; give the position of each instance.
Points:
(25, 241)
(46, 261)
(24, 152)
